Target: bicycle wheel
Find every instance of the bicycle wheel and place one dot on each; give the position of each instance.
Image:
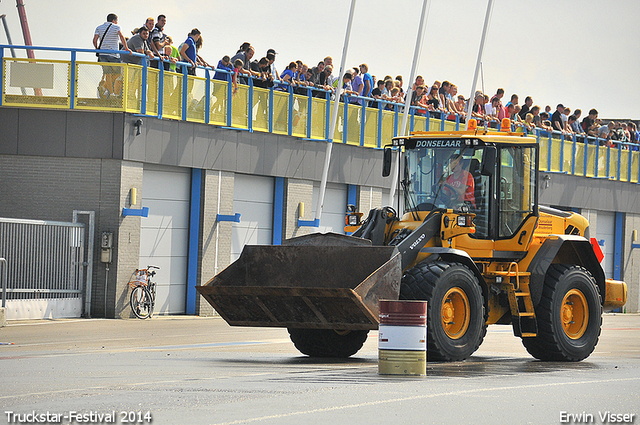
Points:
(141, 302)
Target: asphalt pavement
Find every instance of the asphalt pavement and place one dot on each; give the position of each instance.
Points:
(190, 370)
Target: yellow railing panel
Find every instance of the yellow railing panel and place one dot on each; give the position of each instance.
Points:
(580, 152)
(556, 152)
(435, 124)
(218, 106)
(300, 107)
(318, 118)
(371, 128)
(239, 107)
(260, 110)
(613, 162)
(388, 126)
(131, 88)
(94, 91)
(339, 130)
(153, 83)
(625, 157)
(353, 124)
(419, 123)
(172, 96)
(280, 112)
(36, 83)
(567, 155)
(449, 126)
(591, 159)
(602, 161)
(544, 153)
(635, 163)
(196, 95)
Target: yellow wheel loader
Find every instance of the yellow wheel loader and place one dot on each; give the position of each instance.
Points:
(472, 241)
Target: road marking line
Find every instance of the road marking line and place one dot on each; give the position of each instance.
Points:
(418, 397)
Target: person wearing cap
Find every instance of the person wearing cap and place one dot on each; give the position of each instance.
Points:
(556, 119)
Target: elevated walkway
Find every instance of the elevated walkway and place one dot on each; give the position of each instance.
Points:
(301, 113)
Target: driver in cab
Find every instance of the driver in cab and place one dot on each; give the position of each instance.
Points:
(459, 185)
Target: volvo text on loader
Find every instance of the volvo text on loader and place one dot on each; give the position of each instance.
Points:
(472, 241)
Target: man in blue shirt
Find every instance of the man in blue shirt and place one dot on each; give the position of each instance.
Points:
(367, 80)
(188, 50)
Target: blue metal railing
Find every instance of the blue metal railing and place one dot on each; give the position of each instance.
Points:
(388, 116)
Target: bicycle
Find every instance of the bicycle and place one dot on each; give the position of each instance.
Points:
(143, 294)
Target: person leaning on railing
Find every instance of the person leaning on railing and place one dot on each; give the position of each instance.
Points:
(262, 68)
(188, 50)
(139, 43)
(286, 78)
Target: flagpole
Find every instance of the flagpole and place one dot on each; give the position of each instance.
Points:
(407, 102)
(334, 118)
(478, 62)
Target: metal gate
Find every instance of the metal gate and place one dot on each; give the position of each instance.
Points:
(45, 262)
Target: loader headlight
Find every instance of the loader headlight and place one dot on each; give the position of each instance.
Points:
(353, 220)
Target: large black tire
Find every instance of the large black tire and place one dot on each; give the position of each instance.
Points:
(452, 291)
(569, 316)
(327, 342)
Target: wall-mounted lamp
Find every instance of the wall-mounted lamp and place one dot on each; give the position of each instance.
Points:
(137, 124)
(305, 223)
(634, 239)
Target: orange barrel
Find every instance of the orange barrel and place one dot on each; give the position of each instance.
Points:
(402, 338)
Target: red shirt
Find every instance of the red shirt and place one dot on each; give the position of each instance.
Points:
(464, 179)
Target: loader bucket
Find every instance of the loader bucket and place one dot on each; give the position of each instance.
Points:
(322, 282)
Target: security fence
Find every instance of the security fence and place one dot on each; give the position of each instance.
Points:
(45, 268)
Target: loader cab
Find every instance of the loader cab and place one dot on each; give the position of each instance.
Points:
(496, 180)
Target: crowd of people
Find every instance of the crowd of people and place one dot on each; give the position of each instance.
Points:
(440, 99)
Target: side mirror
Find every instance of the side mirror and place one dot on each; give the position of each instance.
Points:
(488, 161)
(386, 162)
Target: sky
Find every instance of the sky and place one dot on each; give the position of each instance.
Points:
(581, 53)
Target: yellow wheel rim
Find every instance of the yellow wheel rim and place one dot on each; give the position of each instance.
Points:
(574, 314)
(455, 313)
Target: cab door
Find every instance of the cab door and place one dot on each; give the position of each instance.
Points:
(507, 210)
(517, 206)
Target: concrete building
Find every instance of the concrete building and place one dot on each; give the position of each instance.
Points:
(53, 162)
